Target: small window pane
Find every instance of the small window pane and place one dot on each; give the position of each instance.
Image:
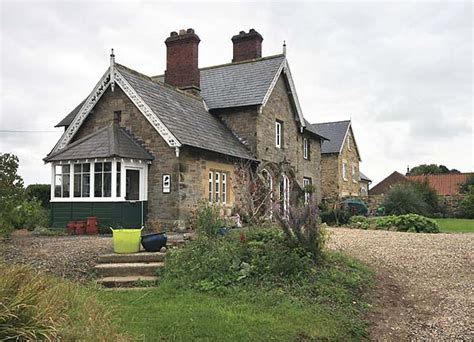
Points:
(98, 185)
(77, 168)
(66, 168)
(77, 185)
(66, 185)
(107, 185)
(98, 167)
(86, 167)
(86, 180)
(118, 166)
(108, 167)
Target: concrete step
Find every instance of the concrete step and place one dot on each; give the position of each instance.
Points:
(124, 282)
(128, 269)
(132, 258)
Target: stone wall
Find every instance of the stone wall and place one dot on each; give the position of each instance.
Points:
(243, 123)
(451, 204)
(161, 206)
(374, 201)
(279, 107)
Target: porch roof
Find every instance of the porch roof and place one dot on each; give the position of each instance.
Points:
(110, 141)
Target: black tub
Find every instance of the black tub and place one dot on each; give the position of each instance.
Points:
(154, 242)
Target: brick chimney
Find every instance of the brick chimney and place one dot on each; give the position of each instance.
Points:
(247, 46)
(182, 69)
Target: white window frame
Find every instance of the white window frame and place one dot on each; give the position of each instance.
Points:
(132, 164)
(354, 174)
(349, 143)
(305, 148)
(62, 174)
(210, 189)
(224, 188)
(344, 170)
(278, 134)
(307, 195)
(286, 195)
(217, 187)
(81, 175)
(103, 173)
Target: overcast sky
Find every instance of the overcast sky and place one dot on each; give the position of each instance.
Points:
(402, 71)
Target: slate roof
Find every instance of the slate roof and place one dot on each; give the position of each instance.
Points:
(237, 84)
(110, 141)
(444, 184)
(185, 116)
(335, 132)
(68, 119)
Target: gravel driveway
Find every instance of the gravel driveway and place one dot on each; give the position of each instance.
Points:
(424, 285)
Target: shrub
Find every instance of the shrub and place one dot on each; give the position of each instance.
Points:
(404, 199)
(42, 192)
(336, 216)
(359, 221)
(207, 219)
(39, 307)
(264, 258)
(30, 214)
(467, 204)
(429, 196)
(408, 223)
(301, 226)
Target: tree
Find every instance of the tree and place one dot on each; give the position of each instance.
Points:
(11, 191)
(428, 194)
(42, 192)
(431, 169)
(11, 184)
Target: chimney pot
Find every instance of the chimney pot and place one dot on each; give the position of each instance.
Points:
(247, 46)
(182, 70)
(173, 33)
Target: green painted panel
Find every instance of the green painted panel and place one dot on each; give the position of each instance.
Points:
(114, 214)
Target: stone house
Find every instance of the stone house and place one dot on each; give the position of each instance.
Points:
(146, 149)
(340, 162)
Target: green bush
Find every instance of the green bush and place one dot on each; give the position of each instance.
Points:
(359, 221)
(30, 214)
(404, 199)
(467, 204)
(264, 257)
(335, 217)
(207, 219)
(36, 307)
(42, 192)
(408, 223)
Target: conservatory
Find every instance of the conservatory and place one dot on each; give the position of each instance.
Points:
(103, 174)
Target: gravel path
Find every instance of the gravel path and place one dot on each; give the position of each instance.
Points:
(425, 282)
(71, 257)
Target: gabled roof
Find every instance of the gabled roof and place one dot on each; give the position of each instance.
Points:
(110, 141)
(66, 121)
(444, 184)
(336, 133)
(240, 84)
(185, 116)
(180, 118)
(385, 185)
(246, 83)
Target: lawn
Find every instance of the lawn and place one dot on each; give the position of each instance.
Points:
(453, 225)
(248, 314)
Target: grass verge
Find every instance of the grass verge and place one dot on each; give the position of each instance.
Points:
(248, 313)
(34, 306)
(454, 225)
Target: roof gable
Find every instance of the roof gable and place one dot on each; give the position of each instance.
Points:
(179, 118)
(110, 141)
(336, 133)
(386, 184)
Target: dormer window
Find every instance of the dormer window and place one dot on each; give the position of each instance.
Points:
(278, 134)
(305, 148)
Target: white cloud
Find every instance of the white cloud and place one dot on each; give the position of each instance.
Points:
(401, 70)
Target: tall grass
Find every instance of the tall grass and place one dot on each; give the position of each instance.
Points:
(34, 306)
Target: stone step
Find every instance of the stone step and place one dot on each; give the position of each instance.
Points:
(132, 258)
(125, 282)
(124, 269)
